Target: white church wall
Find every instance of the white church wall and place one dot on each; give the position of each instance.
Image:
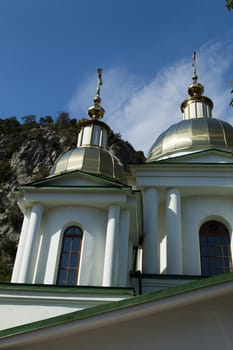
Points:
(29, 245)
(123, 248)
(19, 314)
(174, 232)
(20, 250)
(19, 306)
(90, 211)
(162, 236)
(196, 211)
(130, 261)
(151, 260)
(37, 253)
(91, 262)
(92, 257)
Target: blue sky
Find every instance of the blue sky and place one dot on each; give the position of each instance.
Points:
(50, 50)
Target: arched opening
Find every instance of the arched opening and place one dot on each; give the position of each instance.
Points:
(70, 256)
(215, 250)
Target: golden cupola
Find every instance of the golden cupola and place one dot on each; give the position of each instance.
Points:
(196, 105)
(91, 154)
(197, 131)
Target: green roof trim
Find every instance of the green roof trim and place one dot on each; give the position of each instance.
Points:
(138, 274)
(118, 305)
(125, 188)
(25, 187)
(190, 155)
(82, 173)
(67, 289)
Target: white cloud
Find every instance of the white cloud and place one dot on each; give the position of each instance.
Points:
(119, 86)
(140, 111)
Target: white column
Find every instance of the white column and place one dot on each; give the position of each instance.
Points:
(109, 274)
(20, 249)
(30, 253)
(150, 243)
(174, 234)
(123, 250)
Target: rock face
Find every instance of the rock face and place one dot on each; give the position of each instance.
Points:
(27, 153)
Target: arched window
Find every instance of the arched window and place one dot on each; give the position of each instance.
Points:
(70, 256)
(215, 248)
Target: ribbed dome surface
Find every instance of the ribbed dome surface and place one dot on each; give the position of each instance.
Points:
(192, 135)
(94, 160)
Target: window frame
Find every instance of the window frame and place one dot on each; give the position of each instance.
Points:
(72, 236)
(215, 248)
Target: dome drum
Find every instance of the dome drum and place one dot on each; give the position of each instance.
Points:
(197, 107)
(93, 132)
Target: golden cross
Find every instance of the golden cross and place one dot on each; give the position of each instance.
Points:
(194, 65)
(100, 82)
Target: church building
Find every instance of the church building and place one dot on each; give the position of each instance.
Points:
(143, 258)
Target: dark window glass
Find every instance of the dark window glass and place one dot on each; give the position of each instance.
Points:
(70, 254)
(64, 260)
(62, 277)
(76, 243)
(74, 260)
(67, 243)
(215, 248)
(71, 277)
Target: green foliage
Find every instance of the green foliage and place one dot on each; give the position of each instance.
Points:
(63, 120)
(5, 271)
(9, 125)
(229, 4)
(8, 252)
(9, 248)
(30, 120)
(12, 146)
(41, 175)
(73, 123)
(124, 151)
(47, 121)
(14, 217)
(4, 170)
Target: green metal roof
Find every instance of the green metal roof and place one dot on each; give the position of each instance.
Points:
(66, 289)
(118, 305)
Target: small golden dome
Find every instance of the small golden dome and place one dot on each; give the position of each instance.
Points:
(196, 105)
(189, 136)
(195, 89)
(93, 160)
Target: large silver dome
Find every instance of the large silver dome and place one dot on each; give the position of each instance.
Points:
(192, 135)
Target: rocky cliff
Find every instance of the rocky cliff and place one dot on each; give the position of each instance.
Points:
(27, 152)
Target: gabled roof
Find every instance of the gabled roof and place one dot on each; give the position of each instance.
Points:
(170, 297)
(102, 181)
(226, 155)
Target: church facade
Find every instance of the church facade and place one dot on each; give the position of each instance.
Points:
(164, 223)
(89, 223)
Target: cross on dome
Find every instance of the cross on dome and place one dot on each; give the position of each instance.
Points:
(97, 111)
(195, 89)
(194, 64)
